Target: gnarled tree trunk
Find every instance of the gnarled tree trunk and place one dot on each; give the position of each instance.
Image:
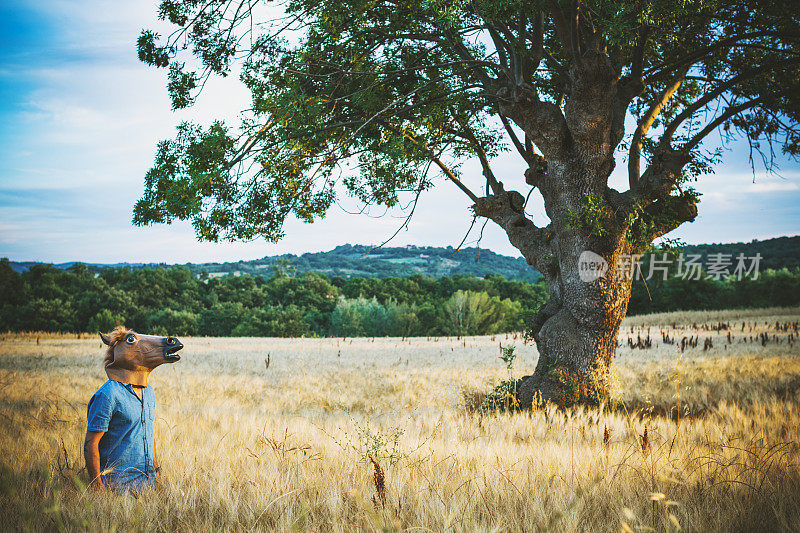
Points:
(576, 330)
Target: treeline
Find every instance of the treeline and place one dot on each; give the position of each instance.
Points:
(772, 288)
(173, 300)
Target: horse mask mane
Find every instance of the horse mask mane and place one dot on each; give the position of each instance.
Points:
(113, 338)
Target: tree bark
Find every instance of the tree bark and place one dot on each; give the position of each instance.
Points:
(576, 330)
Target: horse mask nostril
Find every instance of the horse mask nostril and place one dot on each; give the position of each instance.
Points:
(171, 348)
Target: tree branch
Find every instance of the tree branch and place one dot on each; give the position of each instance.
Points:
(561, 27)
(689, 59)
(659, 180)
(542, 121)
(500, 46)
(707, 98)
(507, 38)
(627, 90)
(574, 35)
(711, 126)
(497, 187)
(638, 56)
(537, 51)
(506, 210)
(514, 139)
(444, 168)
(634, 153)
(466, 56)
(667, 214)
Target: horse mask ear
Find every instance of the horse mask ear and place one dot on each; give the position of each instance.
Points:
(106, 339)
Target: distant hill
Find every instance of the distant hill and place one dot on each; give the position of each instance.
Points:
(775, 253)
(363, 261)
(21, 266)
(359, 261)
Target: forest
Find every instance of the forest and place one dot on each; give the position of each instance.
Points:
(174, 300)
(359, 260)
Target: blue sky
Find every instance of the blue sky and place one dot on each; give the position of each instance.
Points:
(80, 118)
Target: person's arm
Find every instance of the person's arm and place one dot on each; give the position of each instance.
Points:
(91, 454)
(98, 414)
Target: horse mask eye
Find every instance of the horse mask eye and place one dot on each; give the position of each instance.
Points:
(130, 339)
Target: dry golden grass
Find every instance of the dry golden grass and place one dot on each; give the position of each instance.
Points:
(245, 447)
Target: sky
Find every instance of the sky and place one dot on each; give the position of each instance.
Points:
(80, 117)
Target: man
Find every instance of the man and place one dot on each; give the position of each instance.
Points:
(119, 448)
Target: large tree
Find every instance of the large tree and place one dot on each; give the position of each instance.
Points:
(383, 98)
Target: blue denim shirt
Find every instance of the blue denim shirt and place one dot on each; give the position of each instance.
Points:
(126, 449)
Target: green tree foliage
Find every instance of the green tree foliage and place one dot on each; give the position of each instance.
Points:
(274, 321)
(172, 301)
(221, 319)
(687, 291)
(360, 317)
(166, 321)
(370, 95)
(104, 321)
(475, 313)
(40, 314)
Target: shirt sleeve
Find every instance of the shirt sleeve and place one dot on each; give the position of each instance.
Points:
(101, 406)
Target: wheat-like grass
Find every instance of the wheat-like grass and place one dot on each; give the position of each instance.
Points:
(291, 446)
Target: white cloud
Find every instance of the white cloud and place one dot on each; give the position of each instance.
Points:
(88, 134)
(773, 185)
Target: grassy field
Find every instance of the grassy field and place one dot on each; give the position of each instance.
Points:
(707, 440)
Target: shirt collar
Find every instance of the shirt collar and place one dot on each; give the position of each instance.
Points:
(129, 386)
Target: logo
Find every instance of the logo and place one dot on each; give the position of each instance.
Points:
(591, 266)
